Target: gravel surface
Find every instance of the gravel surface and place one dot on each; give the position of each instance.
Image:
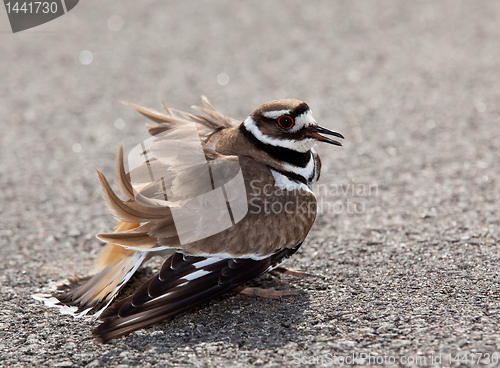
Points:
(406, 249)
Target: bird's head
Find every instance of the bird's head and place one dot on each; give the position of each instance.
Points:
(289, 124)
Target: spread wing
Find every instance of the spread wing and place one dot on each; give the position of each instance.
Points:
(183, 282)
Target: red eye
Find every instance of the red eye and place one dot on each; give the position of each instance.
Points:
(286, 122)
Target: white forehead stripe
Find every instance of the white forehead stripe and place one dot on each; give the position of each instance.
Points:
(275, 114)
(305, 119)
(300, 146)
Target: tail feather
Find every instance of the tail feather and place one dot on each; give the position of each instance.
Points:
(113, 268)
(133, 240)
(112, 253)
(98, 291)
(145, 237)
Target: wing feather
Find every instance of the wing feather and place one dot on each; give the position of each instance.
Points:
(179, 286)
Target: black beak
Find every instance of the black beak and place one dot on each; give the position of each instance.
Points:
(315, 133)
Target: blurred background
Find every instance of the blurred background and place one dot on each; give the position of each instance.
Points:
(410, 268)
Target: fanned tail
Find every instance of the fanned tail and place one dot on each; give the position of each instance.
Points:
(114, 267)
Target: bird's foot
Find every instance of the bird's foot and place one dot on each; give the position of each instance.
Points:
(285, 271)
(265, 293)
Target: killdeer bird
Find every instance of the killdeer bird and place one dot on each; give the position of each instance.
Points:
(273, 150)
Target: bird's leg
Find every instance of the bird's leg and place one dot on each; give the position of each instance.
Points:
(265, 293)
(286, 271)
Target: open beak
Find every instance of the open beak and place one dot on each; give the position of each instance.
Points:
(315, 133)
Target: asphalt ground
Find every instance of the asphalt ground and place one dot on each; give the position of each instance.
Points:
(406, 249)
